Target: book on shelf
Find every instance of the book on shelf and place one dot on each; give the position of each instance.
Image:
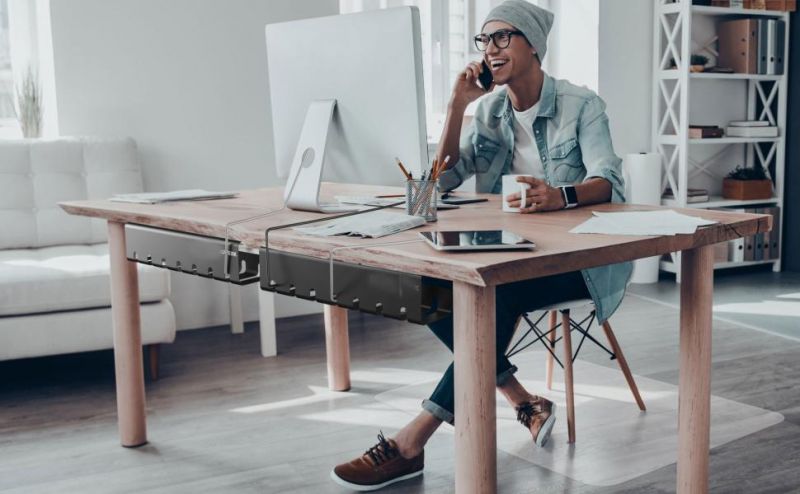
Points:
(733, 131)
(705, 131)
(748, 123)
(692, 195)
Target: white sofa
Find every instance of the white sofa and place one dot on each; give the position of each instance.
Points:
(54, 271)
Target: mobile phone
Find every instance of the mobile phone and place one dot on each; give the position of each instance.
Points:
(485, 78)
(463, 200)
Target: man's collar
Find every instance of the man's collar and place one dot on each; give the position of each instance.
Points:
(547, 101)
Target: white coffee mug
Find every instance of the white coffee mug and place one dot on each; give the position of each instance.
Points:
(510, 185)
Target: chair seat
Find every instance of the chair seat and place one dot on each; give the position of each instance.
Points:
(568, 304)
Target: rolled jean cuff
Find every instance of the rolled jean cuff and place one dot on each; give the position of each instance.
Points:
(504, 376)
(438, 412)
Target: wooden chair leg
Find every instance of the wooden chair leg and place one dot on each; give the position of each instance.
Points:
(568, 388)
(153, 352)
(623, 365)
(551, 337)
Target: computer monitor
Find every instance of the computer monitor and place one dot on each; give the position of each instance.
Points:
(370, 65)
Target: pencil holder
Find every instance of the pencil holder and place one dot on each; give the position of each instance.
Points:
(421, 198)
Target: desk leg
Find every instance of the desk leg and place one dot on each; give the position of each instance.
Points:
(475, 363)
(694, 392)
(127, 341)
(337, 347)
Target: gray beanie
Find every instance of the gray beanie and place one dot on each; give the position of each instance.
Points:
(534, 22)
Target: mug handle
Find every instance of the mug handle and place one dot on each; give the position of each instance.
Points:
(523, 195)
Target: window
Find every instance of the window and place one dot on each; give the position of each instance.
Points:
(7, 112)
(447, 29)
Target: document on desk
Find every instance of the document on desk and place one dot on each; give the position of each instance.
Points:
(373, 225)
(663, 222)
(175, 195)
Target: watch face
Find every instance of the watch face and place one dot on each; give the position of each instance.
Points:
(571, 195)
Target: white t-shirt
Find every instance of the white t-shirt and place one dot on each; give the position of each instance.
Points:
(526, 159)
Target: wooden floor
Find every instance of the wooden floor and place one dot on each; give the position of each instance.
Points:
(223, 419)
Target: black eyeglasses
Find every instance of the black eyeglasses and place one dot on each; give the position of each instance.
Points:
(501, 39)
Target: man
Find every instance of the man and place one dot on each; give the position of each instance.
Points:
(556, 133)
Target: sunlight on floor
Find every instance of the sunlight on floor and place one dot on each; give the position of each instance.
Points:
(320, 394)
(767, 307)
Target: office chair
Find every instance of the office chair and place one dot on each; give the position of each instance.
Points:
(582, 327)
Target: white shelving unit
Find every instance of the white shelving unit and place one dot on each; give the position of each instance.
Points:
(681, 98)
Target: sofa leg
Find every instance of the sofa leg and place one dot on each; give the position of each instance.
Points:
(153, 352)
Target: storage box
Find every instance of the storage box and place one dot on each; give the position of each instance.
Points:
(738, 45)
(784, 5)
(746, 189)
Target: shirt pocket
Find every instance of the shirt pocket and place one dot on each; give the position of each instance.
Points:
(485, 153)
(565, 161)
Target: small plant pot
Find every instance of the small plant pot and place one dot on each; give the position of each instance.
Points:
(746, 190)
(697, 68)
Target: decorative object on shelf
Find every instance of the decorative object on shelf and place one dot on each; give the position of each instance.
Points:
(705, 131)
(747, 184)
(698, 63)
(29, 103)
(692, 195)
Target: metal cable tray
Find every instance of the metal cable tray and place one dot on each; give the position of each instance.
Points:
(394, 294)
(190, 254)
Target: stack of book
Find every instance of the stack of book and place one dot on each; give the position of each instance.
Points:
(705, 131)
(692, 196)
(751, 128)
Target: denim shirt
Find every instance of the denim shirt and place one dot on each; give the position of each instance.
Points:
(574, 144)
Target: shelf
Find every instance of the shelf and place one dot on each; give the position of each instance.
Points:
(719, 140)
(671, 267)
(675, 73)
(719, 202)
(674, 8)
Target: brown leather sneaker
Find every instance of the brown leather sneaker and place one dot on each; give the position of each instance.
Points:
(379, 466)
(539, 416)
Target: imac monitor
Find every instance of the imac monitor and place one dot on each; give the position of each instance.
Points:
(347, 97)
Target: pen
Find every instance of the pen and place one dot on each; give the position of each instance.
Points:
(403, 169)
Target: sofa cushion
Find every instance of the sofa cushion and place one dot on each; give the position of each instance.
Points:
(35, 175)
(65, 278)
(55, 333)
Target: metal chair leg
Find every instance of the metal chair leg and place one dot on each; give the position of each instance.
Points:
(623, 365)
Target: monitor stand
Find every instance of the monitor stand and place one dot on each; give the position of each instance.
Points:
(306, 172)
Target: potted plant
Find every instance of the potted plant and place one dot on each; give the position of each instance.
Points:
(747, 183)
(29, 101)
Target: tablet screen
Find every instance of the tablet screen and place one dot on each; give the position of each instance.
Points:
(476, 240)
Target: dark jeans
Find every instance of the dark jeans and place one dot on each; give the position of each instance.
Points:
(512, 301)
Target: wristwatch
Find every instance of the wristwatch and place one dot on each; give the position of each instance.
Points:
(570, 196)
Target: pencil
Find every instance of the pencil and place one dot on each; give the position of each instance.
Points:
(403, 169)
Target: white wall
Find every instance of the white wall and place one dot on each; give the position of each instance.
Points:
(625, 43)
(188, 80)
(572, 51)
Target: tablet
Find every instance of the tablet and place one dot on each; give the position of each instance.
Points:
(476, 240)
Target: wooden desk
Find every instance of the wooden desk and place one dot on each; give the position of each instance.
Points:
(474, 277)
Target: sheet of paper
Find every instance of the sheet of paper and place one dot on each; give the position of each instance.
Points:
(175, 195)
(662, 222)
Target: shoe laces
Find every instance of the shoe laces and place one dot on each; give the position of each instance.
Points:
(527, 410)
(381, 452)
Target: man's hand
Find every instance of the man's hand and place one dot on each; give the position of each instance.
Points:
(540, 197)
(466, 89)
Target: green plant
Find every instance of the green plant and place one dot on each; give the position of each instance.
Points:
(29, 102)
(698, 60)
(744, 173)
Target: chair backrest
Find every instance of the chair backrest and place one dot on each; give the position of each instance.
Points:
(35, 175)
